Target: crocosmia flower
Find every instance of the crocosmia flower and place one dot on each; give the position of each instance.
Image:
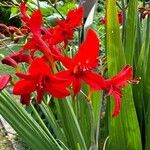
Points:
(80, 67)
(74, 17)
(4, 79)
(65, 29)
(14, 59)
(115, 84)
(24, 16)
(41, 80)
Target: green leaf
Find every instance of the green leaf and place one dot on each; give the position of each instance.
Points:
(146, 63)
(124, 129)
(14, 12)
(130, 34)
(24, 124)
(83, 116)
(97, 105)
(53, 122)
(147, 147)
(70, 124)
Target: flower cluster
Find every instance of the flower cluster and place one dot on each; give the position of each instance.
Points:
(43, 75)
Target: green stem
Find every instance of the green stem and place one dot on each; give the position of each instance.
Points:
(38, 4)
(7, 47)
(56, 9)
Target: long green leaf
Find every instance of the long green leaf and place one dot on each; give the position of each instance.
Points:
(130, 34)
(83, 116)
(24, 124)
(51, 119)
(147, 147)
(124, 129)
(70, 124)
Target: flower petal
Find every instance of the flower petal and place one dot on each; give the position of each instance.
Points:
(30, 45)
(24, 76)
(58, 90)
(36, 22)
(40, 94)
(121, 78)
(25, 16)
(88, 51)
(4, 79)
(39, 66)
(9, 61)
(25, 99)
(74, 17)
(76, 85)
(117, 97)
(24, 87)
(95, 81)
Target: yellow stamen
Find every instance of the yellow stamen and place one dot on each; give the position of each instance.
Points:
(54, 68)
(135, 81)
(17, 69)
(75, 70)
(90, 95)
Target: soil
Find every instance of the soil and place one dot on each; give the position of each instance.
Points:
(5, 144)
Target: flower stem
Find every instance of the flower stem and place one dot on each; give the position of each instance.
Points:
(56, 9)
(38, 4)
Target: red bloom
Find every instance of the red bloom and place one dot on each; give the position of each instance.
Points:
(25, 17)
(35, 27)
(115, 84)
(80, 67)
(14, 59)
(41, 80)
(62, 33)
(25, 99)
(120, 19)
(8, 30)
(74, 17)
(4, 79)
(65, 29)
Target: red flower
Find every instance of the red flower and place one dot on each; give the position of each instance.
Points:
(25, 99)
(4, 79)
(120, 19)
(74, 17)
(65, 29)
(116, 83)
(80, 67)
(25, 17)
(14, 59)
(35, 27)
(40, 80)
(62, 33)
